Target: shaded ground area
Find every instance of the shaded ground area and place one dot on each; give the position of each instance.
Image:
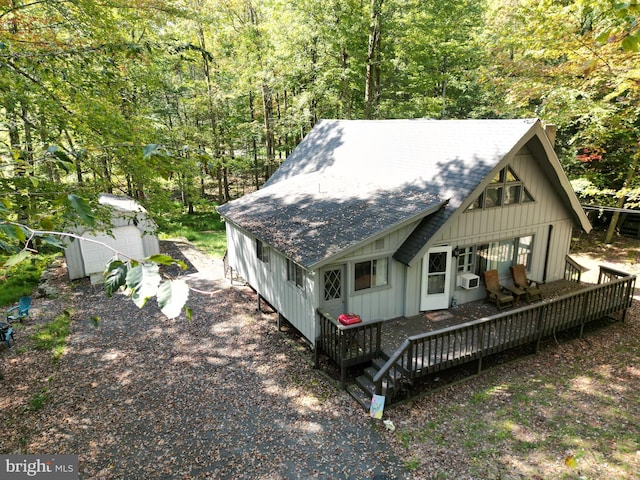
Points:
(222, 396)
(225, 396)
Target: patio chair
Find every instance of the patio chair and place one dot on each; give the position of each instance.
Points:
(6, 334)
(496, 292)
(17, 313)
(531, 288)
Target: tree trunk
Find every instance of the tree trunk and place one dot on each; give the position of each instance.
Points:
(443, 92)
(76, 157)
(28, 140)
(372, 85)
(268, 128)
(106, 172)
(346, 97)
(621, 201)
(254, 145)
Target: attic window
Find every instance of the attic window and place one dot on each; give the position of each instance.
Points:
(505, 189)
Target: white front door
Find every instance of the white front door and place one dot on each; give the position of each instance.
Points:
(333, 290)
(436, 276)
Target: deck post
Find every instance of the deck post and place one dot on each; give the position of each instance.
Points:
(629, 297)
(540, 328)
(480, 346)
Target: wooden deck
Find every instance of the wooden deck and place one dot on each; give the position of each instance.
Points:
(403, 351)
(396, 331)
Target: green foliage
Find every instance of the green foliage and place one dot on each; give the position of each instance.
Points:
(52, 336)
(172, 296)
(142, 281)
(214, 243)
(22, 278)
(204, 229)
(115, 276)
(38, 400)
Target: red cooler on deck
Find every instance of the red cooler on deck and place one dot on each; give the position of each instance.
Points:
(349, 318)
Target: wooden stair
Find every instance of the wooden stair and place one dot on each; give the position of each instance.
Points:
(363, 389)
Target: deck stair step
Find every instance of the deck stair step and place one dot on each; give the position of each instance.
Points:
(364, 387)
(360, 396)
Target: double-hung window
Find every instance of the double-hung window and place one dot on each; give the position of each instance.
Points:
(295, 273)
(371, 274)
(262, 251)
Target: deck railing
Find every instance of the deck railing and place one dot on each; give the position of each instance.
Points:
(423, 354)
(347, 345)
(573, 270)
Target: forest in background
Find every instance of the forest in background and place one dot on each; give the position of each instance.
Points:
(185, 103)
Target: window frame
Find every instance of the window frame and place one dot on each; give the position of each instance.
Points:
(469, 256)
(505, 180)
(263, 252)
(295, 274)
(513, 245)
(372, 274)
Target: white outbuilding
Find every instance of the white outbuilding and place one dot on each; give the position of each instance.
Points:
(132, 233)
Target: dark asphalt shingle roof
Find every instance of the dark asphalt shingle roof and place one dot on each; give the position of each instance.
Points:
(350, 180)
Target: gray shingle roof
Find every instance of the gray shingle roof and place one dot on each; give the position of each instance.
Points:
(350, 180)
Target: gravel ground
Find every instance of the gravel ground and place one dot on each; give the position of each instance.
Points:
(222, 396)
(139, 396)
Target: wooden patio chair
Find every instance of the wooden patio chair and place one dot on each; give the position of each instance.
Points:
(531, 288)
(496, 292)
(20, 311)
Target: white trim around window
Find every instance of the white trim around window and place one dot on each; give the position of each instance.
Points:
(371, 274)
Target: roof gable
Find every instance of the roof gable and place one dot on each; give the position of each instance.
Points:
(350, 180)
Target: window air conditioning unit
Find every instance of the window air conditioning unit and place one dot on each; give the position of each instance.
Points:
(468, 281)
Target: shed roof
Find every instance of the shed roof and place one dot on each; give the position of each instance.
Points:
(349, 181)
(120, 202)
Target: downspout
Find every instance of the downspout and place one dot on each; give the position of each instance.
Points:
(546, 256)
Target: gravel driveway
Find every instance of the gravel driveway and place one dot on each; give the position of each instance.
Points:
(222, 396)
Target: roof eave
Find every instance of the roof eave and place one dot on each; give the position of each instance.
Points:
(570, 195)
(332, 258)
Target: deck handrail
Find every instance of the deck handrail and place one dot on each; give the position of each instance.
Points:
(433, 351)
(348, 345)
(607, 274)
(573, 270)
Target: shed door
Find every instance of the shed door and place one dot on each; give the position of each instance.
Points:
(436, 279)
(333, 290)
(128, 240)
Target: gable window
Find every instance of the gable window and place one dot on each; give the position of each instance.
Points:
(505, 189)
(262, 251)
(295, 273)
(370, 274)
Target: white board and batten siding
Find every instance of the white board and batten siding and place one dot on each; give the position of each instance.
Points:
(379, 303)
(481, 226)
(270, 280)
